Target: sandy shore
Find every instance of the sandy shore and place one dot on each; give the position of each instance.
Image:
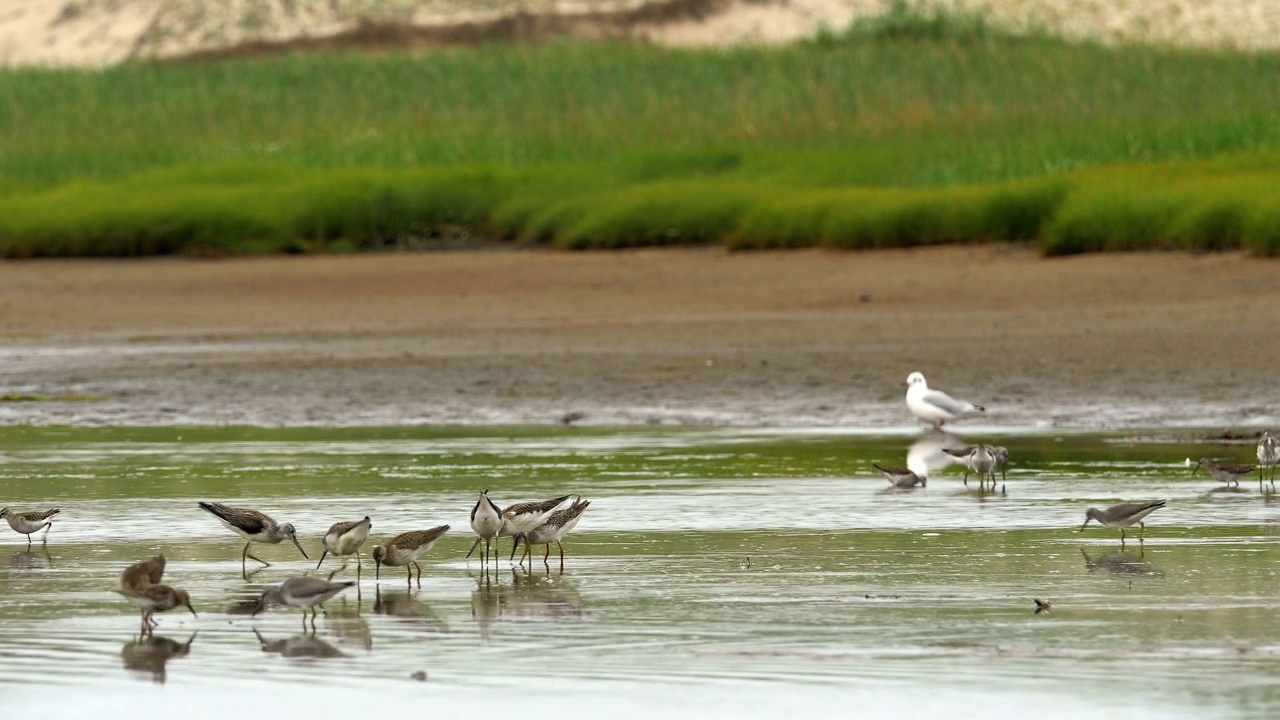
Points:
(658, 336)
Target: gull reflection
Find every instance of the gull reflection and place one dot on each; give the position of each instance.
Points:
(151, 653)
(1120, 563)
(299, 646)
(927, 455)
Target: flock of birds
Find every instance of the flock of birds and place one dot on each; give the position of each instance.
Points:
(938, 407)
(533, 523)
(546, 522)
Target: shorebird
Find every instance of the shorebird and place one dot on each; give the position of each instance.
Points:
(520, 518)
(30, 522)
(1268, 455)
(253, 526)
(486, 521)
(1225, 472)
(1042, 606)
(1123, 515)
(142, 575)
(553, 529)
(1001, 455)
(934, 406)
(154, 599)
(900, 477)
(405, 549)
(345, 538)
(979, 459)
(301, 592)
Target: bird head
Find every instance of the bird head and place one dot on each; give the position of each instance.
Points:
(288, 531)
(1090, 514)
(914, 379)
(379, 557)
(184, 599)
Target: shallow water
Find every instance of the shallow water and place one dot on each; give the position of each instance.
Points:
(752, 572)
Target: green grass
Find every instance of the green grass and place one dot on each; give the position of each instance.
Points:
(906, 130)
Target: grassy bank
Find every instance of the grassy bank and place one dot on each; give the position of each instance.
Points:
(900, 131)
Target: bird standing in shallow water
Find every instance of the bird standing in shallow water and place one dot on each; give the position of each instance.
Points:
(1123, 515)
(345, 538)
(301, 592)
(404, 550)
(554, 529)
(1268, 455)
(934, 406)
(900, 477)
(1225, 472)
(520, 518)
(253, 526)
(30, 522)
(486, 522)
(154, 599)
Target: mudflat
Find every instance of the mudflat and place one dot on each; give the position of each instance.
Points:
(660, 336)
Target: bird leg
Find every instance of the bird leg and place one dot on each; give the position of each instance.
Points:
(415, 564)
(408, 576)
(45, 540)
(547, 555)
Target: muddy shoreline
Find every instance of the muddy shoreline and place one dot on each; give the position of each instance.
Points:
(665, 337)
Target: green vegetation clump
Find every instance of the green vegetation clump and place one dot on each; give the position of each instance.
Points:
(903, 130)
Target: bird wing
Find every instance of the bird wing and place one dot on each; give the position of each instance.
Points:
(944, 402)
(341, 528)
(1126, 509)
(539, 506)
(418, 538)
(251, 522)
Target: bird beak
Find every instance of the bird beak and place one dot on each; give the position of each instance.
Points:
(377, 570)
(474, 545)
(1086, 522)
(294, 538)
(193, 610)
(322, 556)
(904, 383)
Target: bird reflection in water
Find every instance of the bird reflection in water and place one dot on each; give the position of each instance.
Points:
(405, 607)
(541, 596)
(31, 560)
(1120, 562)
(306, 645)
(150, 654)
(347, 626)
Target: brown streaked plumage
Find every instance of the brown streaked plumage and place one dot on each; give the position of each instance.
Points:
(345, 538)
(1224, 472)
(30, 522)
(900, 477)
(521, 517)
(554, 529)
(253, 526)
(141, 575)
(405, 549)
(154, 599)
